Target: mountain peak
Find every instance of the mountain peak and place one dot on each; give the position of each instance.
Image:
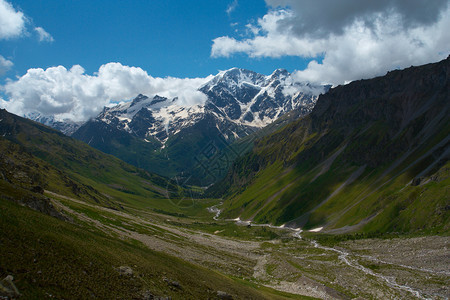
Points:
(238, 71)
(236, 76)
(139, 98)
(158, 99)
(279, 73)
(66, 126)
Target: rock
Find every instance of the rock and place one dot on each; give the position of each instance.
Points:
(43, 205)
(224, 295)
(172, 283)
(147, 295)
(37, 189)
(416, 181)
(8, 288)
(125, 270)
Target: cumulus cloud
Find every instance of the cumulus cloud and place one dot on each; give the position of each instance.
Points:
(266, 39)
(43, 35)
(354, 39)
(5, 65)
(322, 18)
(12, 22)
(72, 94)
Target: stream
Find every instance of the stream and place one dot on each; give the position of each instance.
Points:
(343, 255)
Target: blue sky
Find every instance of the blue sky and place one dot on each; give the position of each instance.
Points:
(70, 58)
(165, 38)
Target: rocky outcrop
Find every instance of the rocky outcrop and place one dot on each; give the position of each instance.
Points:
(8, 289)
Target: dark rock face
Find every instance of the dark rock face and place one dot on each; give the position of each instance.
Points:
(397, 111)
(141, 122)
(19, 170)
(43, 205)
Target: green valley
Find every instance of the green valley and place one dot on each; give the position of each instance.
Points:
(337, 204)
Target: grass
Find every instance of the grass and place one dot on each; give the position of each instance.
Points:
(53, 258)
(47, 256)
(71, 168)
(379, 200)
(231, 229)
(380, 135)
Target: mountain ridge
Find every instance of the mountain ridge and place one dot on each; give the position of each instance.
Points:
(361, 143)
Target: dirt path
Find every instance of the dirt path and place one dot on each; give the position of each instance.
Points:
(230, 255)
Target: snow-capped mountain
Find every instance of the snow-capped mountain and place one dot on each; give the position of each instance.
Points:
(157, 117)
(169, 137)
(236, 97)
(252, 99)
(68, 127)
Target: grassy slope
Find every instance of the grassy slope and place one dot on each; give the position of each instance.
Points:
(129, 148)
(49, 257)
(179, 156)
(53, 258)
(185, 155)
(279, 181)
(79, 171)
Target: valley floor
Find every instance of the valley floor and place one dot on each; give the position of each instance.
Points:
(282, 259)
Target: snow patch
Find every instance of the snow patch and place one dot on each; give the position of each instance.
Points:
(316, 229)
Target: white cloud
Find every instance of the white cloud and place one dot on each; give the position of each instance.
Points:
(322, 18)
(72, 94)
(266, 40)
(362, 54)
(5, 65)
(12, 22)
(43, 35)
(231, 7)
(356, 39)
